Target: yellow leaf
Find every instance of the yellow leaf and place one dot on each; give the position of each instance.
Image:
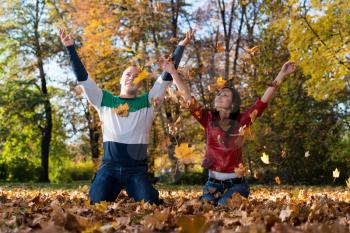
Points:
(220, 82)
(140, 77)
(252, 50)
(253, 115)
(277, 180)
(336, 173)
(220, 48)
(265, 158)
(185, 153)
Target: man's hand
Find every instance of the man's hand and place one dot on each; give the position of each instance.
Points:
(166, 65)
(188, 38)
(288, 68)
(66, 39)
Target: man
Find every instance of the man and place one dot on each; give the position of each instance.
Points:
(125, 136)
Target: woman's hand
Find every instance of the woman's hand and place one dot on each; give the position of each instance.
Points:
(188, 38)
(167, 66)
(66, 39)
(288, 68)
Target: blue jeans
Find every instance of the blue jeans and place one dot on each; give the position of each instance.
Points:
(219, 193)
(110, 180)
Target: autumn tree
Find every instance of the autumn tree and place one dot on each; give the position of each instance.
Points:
(34, 42)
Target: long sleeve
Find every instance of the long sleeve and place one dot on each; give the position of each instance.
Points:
(164, 80)
(91, 90)
(177, 55)
(258, 107)
(78, 67)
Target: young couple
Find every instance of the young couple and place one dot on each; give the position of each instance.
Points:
(125, 138)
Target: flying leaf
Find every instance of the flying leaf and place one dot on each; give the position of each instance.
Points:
(122, 110)
(252, 51)
(241, 170)
(185, 153)
(220, 47)
(173, 40)
(336, 173)
(140, 77)
(246, 132)
(283, 154)
(265, 158)
(155, 101)
(220, 82)
(307, 154)
(348, 182)
(253, 115)
(277, 180)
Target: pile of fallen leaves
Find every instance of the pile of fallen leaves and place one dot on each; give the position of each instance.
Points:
(268, 209)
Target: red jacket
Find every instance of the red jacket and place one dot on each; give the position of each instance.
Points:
(224, 148)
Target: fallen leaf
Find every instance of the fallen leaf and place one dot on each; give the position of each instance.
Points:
(285, 214)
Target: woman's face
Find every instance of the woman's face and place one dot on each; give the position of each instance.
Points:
(223, 99)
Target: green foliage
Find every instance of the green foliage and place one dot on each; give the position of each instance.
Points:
(319, 33)
(68, 171)
(298, 124)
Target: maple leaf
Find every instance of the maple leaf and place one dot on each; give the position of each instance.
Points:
(277, 180)
(185, 153)
(241, 170)
(253, 115)
(336, 173)
(220, 82)
(252, 51)
(220, 47)
(246, 132)
(265, 158)
(173, 40)
(122, 110)
(283, 154)
(142, 75)
(307, 154)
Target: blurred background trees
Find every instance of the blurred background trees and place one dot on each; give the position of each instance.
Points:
(48, 131)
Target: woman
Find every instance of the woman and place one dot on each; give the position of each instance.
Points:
(223, 127)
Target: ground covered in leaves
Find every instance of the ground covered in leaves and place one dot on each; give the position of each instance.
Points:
(24, 208)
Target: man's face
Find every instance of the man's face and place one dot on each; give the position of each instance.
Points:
(127, 80)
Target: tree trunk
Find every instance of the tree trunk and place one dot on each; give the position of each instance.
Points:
(94, 134)
(234, 68)
(47, 129)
